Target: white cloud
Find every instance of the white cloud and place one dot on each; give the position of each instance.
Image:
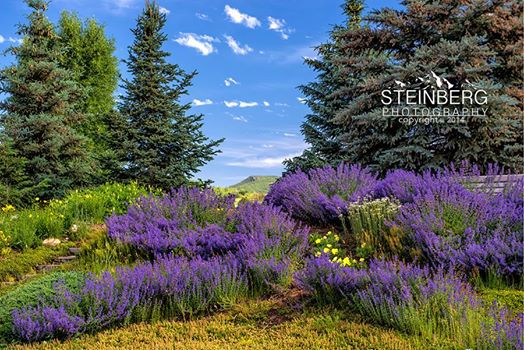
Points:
(236, 47)
(231, 104)
(202, 43)
(197, 103)
(241, 104)
(240, 119)
(276, 24)
(288, 134)
(123, 4)
(15, 40)
(164, 10)
(301, 100)
(236, 16)
(2, 39)
(279, 26)
(266, 104)
(268, 162)
(202, 16)
(230, 81)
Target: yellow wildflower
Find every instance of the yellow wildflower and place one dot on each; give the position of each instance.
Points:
(334, 251)
(361, 259)
(8, 208)
(326, 250)
(317, 241)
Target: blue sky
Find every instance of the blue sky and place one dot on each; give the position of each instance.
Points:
(249, 55)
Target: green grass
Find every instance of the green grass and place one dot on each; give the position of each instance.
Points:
(256, 183)
(513, 299)
(256, 324)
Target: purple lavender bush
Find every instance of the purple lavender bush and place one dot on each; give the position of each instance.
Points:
(503, 330)
(170, 286)
(476, 233)
(412, 299)
(201, 224)
(321, 195)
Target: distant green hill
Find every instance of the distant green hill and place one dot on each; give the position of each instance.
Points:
(255, 183)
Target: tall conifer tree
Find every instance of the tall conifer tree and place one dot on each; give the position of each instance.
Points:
(41, 110)
(160, 144)
(318, 128)
(468, 43)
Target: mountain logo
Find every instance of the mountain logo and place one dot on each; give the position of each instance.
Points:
(435, 99)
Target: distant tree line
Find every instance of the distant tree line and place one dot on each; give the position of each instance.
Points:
(61, 127)
(476, 42)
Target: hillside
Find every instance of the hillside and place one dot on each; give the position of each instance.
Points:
(255, 183)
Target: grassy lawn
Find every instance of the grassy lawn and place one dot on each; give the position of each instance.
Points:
(255, 183)
(255, 324)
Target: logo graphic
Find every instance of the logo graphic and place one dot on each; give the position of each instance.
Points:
(433, 99)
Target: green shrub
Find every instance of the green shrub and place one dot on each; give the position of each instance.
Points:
(94, 205)
(101, 253)
(367, 226)
(32, 293)
(510, 298)
(71, 215)
(15, 265)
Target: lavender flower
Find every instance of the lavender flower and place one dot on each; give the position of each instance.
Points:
(321, 195)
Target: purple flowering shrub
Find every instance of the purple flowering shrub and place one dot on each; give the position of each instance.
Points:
(158, 224)
(204, 252)
(503, 330)
(170, 286)
(202, 224)
(412, 299)
(476, 233)
(322, 194)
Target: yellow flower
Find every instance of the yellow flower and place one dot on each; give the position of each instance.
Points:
(363, 245)
(326, 250)
(354, 261)
(346, 261)
(317, 241)
(329, 245)
(361, 259)
(37, 199)
(334, 251)
(317, 254)
(8, 208)
(337, 238)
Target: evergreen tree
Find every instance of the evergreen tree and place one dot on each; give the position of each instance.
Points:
(318, 128)
(160, 144)
(41, 110)
(462, 42)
